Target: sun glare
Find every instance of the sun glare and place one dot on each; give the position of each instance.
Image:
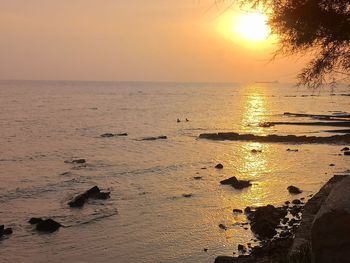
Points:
(251, 27)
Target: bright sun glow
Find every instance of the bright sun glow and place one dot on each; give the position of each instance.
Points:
(252, 27)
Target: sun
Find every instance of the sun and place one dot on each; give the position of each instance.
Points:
(251, 26)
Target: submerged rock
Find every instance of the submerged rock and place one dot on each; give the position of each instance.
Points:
(235, 183)
(292, 150)
(187, 195)
(294, 190)
(162, 137)
(107, 135)
(219, 166)
(197, 177)
(78, 161)
(345, 149)
(48, 225)
(94, 193)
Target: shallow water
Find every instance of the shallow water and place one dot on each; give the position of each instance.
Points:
(147, 219)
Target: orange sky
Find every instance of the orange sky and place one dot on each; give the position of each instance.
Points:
(153, 40)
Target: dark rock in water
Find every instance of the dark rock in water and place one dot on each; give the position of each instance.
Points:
(238, 211)
(347, 153)
(241, 248)
(233, 136)
(78, 201)
(187, 195)
(332, 164)
(292, 150)
(197, 177)
(94, 193)
(295, 210)
(78, 161)
(5, 231)
(178, 120)
(35, 220)
(107, 135)
(219, 166)
(287, 202)
(264, 220)
(247, 210)
(296, 202)
(205, 249)
(122, 134)
(294, 190)
(162, 137)
(256, 151)
(8, 231)
(345, 149)
(284, 220)
(222, 226)
(48, 225)
(235, 183)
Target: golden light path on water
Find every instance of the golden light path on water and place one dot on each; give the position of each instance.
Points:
(254, 165)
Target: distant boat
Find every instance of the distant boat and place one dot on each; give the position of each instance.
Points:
(267, 82)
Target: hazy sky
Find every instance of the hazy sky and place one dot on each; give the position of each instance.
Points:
(162, 40)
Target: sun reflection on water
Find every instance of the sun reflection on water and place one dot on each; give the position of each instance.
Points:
(255, 158)
(255, 109)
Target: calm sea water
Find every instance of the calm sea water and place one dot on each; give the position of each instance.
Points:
(147, 219)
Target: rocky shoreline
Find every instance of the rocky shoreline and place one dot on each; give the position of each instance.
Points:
(233, 136)
(321, 236)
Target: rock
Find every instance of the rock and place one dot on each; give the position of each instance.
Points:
(330, 241)
(5, 231)
(235, 183)
(247, 210)
(122, 134)
(107, 135)
(256, 151)
(78, 161)
(35, 220)
(296, 202)
(162, 137)
(222, 226)
(8, 231)
(264, 220)
(187, 195)
(178, 120)
(332, 164)
(294, 190)
(94, 193)
(197, 177)
(187, 120)
(242, 248)
(48, 225)
(238, 211)
(347, 153)
(345, 149)
(287, 202)
(219, 166)
(205, 249)
(285, 220)
(292, 150)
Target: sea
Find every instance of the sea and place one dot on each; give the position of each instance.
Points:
(158, 211)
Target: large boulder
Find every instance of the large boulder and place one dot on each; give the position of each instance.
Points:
(330, 232)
